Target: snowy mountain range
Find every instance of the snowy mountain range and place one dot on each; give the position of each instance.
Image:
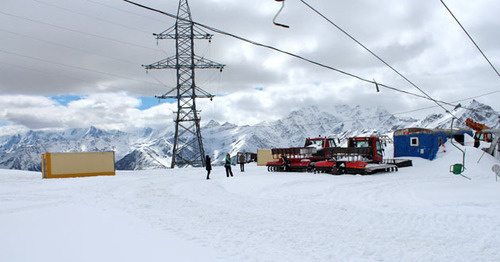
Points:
(150, 148)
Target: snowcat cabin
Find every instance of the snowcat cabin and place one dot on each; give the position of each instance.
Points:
(480, 136)
(330, 142)
(319, 144)
(373, 143)
(314, 142)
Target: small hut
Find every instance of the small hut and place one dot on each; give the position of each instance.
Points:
(424, 143)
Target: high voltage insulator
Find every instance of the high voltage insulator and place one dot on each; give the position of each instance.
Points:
(188, 143)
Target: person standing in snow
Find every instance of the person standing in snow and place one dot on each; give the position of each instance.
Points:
(242, 162)
(285, 163)
(208, 166)
(227, 165)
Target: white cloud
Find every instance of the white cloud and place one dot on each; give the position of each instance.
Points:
(107, 110)
(100, 59)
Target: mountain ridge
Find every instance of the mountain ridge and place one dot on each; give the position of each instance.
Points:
(149, 148)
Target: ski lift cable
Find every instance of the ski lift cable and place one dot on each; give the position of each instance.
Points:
(293, 55)
(470, 37)
(375, 55)
(406, 112)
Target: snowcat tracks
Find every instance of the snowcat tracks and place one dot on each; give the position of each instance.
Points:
(385, 168)
(399, 162)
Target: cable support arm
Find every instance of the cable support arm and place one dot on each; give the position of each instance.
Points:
(171, 63)
(170, 33)
(164, 63)
(204, 93)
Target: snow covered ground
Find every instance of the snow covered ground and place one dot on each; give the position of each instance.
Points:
(421, 213)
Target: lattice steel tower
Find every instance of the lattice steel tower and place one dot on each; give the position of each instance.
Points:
(188, 143)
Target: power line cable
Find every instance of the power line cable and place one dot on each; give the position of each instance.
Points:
(125, 11)
(470, 37)
(292, 54)
(75, 67)
(399, 113)
(72, 48)
(385, 115)
(90, 16)
(68, 47)
(76, 31)
(336, 122)
(472, 109)
(380, 59)
(46, 73)
(455, 101)
(213, 29)
(383, 61)
(489, 93)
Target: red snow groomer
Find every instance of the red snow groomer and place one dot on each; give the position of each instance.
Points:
(363, 155)
(300, 158)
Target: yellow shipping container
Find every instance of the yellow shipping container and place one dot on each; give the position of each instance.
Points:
(61, 165)
(264, 156)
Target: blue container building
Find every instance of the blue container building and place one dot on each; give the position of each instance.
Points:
(424, 143)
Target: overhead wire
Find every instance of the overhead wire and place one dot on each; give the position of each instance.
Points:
(46, 72)
(470, 37)
(293, 55)
(392, 114)
(207, 27)
(125, 11)
(90, 16)
(74, 67)
(74, 48)
(68, 47)
(372, 82)
(75, 31)
(378, 57)
(472, 109)
(158, 80)
(455, 101)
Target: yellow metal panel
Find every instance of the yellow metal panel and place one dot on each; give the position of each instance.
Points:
(44, 166)
(264, 156)
(78, 164)
(82, 175)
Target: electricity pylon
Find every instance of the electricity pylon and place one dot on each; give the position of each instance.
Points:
(188, 143)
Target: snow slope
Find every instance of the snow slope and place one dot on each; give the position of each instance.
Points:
(421, 213)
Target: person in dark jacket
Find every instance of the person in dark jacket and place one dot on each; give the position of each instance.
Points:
(242, 162)
(286, 164)
(208, 166)
(227, 165)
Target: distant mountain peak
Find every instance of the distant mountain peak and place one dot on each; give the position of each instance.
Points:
(227, 124)
(474, 110)
(151, 147)
(212, 124)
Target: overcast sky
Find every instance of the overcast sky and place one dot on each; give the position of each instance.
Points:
(78, 63)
